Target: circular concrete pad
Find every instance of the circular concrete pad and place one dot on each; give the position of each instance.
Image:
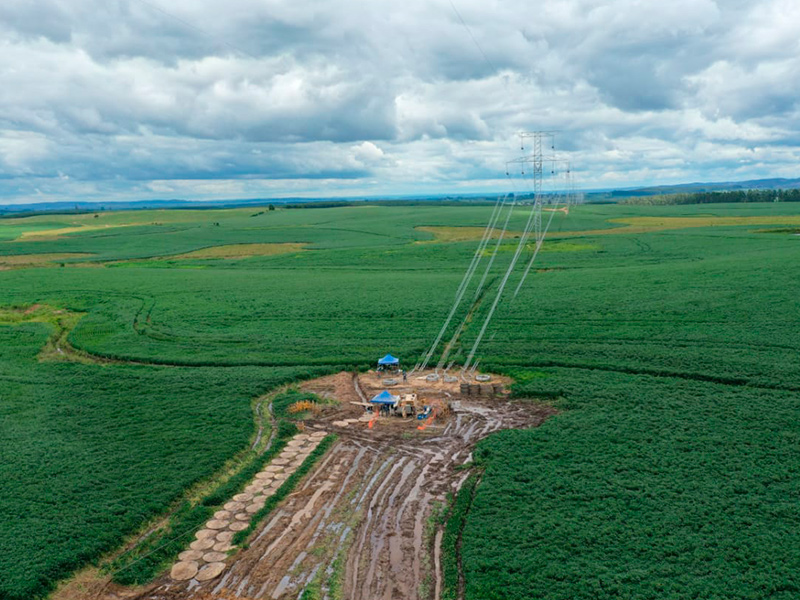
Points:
(238, 526)
(205, 534)
(210, 571)
(222, 514)
(243, 497)
(205, 544)
(272, 469)
(184, 570)
(211, 557)
(280, 461)
(224, 536)
(318, 434)
(234, 506)
(191, 555)
(223, 546)
(218, 523)
(243, 516)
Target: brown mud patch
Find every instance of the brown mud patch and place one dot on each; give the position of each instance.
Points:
(24, 261)
(442, 235)
(230, 251)
(623, 226)
(224, 252)
(360, 525)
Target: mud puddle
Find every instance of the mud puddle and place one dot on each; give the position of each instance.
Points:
(358, 526)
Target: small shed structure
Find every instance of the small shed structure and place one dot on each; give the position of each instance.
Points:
(385, 402)
(388, 363)
(385, 399)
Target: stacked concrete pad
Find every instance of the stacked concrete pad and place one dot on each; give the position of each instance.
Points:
(205, 558)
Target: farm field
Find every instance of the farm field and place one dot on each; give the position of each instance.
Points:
(665, 336)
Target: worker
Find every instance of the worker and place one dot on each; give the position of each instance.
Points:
(405, 376)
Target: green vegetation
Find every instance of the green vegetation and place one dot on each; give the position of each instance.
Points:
(452, 538)
(336, 579)
(791, 195)
(153, 554)
(644, 487)
(92, 453)
(285, 401)
(666, 335)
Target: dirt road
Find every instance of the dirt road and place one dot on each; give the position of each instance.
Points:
(358, 526)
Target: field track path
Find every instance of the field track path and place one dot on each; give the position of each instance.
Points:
(359, 519)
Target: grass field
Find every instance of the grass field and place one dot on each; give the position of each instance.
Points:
(668, 336)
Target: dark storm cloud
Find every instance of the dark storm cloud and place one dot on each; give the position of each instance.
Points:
(126, 96)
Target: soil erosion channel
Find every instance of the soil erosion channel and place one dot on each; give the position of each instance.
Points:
(357, 526)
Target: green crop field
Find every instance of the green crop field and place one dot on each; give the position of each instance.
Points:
(133, 343)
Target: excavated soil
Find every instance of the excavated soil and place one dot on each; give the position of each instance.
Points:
(367, 503)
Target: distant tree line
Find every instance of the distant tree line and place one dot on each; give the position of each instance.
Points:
(482, 201)
(792, 195)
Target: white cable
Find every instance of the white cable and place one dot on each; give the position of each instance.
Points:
(464, 282)
(522, 241)
(539, 243)
(494, 254)
(479, 289)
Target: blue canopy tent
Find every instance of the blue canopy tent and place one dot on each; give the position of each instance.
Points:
(384, 399)
(388, 362)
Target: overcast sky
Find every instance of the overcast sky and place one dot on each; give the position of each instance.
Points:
(118, 99)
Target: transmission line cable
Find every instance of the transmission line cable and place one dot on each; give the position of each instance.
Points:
(520, 246)
(196, 29)
(463, 286)
(494, 254)
(474, 41)
(539, 243)
(479, 289)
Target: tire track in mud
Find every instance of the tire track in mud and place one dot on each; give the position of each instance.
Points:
(366, 504)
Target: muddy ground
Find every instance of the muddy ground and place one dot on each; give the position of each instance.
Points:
(359, 525)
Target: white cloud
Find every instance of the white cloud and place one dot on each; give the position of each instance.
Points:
(367, 152)
(268, 97)
(20, 150)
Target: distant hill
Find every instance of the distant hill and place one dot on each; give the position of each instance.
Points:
(691, 188)
(83, 207)
(612, 195)
(134, 205)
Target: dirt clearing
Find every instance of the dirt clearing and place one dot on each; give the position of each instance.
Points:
(25, 261)
(231, 251)
(359, 525)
